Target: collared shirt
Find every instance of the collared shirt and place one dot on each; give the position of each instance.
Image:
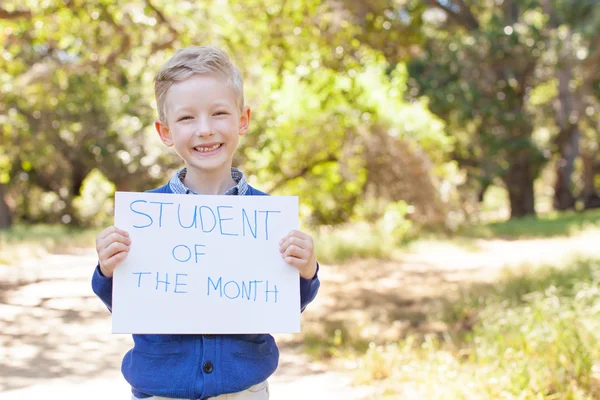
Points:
(240, 189)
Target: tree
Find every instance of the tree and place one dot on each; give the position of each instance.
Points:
(477, 66)
(572, 45)
(315, 89)
(72, 98)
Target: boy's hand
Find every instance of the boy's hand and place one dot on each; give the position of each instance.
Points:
(112, 246)
(298, 250)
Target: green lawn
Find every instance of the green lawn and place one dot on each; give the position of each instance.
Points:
(545, 225)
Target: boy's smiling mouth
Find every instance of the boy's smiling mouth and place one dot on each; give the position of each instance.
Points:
(208, 148)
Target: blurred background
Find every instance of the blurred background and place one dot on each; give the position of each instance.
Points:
(445, 154)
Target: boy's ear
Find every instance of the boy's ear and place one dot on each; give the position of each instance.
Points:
(163, 132)
(244, 121)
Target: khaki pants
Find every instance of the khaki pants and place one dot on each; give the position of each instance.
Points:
(256, 392)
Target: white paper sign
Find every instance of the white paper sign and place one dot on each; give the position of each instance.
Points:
(205, 264)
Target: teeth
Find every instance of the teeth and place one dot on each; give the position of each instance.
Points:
(207, 149)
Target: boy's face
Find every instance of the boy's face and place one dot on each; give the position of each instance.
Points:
(203, 123)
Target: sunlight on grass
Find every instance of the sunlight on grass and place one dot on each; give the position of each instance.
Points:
(446, 246)
(333, 339)
(362, 240)
(26, 241)
(533, 335)
(354, 241)
(551, 224)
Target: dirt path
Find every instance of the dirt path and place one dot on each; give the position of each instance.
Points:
(55, 340)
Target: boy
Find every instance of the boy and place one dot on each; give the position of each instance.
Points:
(199, 95)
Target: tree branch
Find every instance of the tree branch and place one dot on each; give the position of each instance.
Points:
(464, 16)
(4, 14)
(303, 171)
(163, 20)
(125, 42)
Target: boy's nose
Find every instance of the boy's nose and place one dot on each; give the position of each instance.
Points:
(204, 129)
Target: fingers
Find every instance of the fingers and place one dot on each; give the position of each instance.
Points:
(294, 251)
(298, 234)
(298, 250)
(296, 238)
(113, 262)
(111, 235)
(107, 267)
(295, 241)
(112, 249)
(110, 230)
(306, 267)
(112, 246)
(295, 262)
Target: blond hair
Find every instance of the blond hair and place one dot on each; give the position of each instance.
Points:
(191, 61)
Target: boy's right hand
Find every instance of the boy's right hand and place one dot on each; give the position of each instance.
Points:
(112, 246)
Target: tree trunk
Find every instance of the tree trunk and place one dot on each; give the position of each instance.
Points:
(568, 151)
(519, 183)
(5, 215)
(567, 142)
(589, 195)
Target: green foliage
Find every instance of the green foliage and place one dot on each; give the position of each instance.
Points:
(95, 204)
(489, 70)
(340, 96)
(86, 70)
(476, 80)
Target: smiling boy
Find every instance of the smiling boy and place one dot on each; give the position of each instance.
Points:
(201, 114)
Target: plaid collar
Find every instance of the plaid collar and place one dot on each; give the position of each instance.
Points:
(240, 189)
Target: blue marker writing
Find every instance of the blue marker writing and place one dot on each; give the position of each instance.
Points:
(166, 281)
(202, 219)
(246, 219)
(215, 286)
(267, 221)
(140, 276)
(186, 251)
(221, 219)
(194, 222)
(267, 291)
(196, 251)
(177, 283)
(141, 213)
(161, 211)
(236, 290)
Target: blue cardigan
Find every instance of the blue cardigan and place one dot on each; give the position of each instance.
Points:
(198, 366)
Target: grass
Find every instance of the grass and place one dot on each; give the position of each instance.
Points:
(534, 335)
(354, 241)
(552, 224)
(361, 240)
(23, 241)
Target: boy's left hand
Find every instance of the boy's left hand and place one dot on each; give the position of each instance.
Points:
(298, 250)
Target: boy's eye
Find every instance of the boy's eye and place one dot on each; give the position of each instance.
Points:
(184, 118)
(221, 113)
